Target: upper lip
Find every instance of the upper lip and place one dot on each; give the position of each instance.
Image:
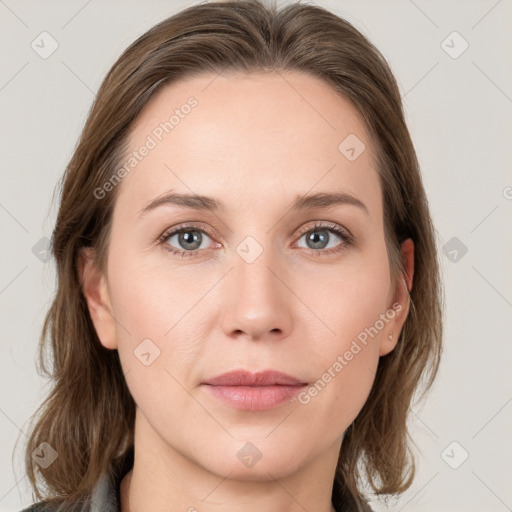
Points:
(246, 378)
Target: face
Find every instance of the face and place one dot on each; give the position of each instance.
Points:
(262, 279)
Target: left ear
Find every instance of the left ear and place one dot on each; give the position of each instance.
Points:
(401, 300)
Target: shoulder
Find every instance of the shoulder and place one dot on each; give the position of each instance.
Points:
(60, 505)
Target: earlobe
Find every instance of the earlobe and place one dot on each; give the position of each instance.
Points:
(94, 288)
(401, 300)
(388, 342)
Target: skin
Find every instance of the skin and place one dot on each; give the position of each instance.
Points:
(254, 143)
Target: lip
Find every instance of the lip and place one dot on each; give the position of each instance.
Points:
(259, 391)
(246, 378)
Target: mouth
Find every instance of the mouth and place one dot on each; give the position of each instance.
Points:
(248, 391)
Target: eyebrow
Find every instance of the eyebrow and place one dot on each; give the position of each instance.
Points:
(302, 202)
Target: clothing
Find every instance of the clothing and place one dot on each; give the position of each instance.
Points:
(105, 496)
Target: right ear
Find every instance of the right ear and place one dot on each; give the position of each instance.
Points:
(94, 288)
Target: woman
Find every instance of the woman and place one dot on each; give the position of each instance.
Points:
(248, 289)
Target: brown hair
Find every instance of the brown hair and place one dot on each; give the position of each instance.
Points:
(88, 417)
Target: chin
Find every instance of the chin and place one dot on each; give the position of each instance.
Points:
(255, 460)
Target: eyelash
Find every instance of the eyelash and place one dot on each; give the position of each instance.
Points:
(342, 233)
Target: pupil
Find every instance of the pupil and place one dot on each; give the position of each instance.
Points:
(318, 235)
(188, 238)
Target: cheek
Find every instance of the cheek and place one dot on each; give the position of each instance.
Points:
(150, 298)
(157, 318)
(351, 297)
(353, 305)
(156, 326)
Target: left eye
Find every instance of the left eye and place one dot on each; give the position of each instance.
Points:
(322, 238)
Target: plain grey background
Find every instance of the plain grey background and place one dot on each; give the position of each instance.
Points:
(453, 63)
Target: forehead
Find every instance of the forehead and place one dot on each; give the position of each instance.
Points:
(250, 138)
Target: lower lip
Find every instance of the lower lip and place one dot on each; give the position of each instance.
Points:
(254, 398)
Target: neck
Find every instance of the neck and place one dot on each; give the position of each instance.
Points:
(162, 478)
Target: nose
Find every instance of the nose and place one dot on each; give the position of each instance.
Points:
(258, 301)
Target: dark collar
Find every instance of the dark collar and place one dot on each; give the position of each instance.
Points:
(105, 496)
